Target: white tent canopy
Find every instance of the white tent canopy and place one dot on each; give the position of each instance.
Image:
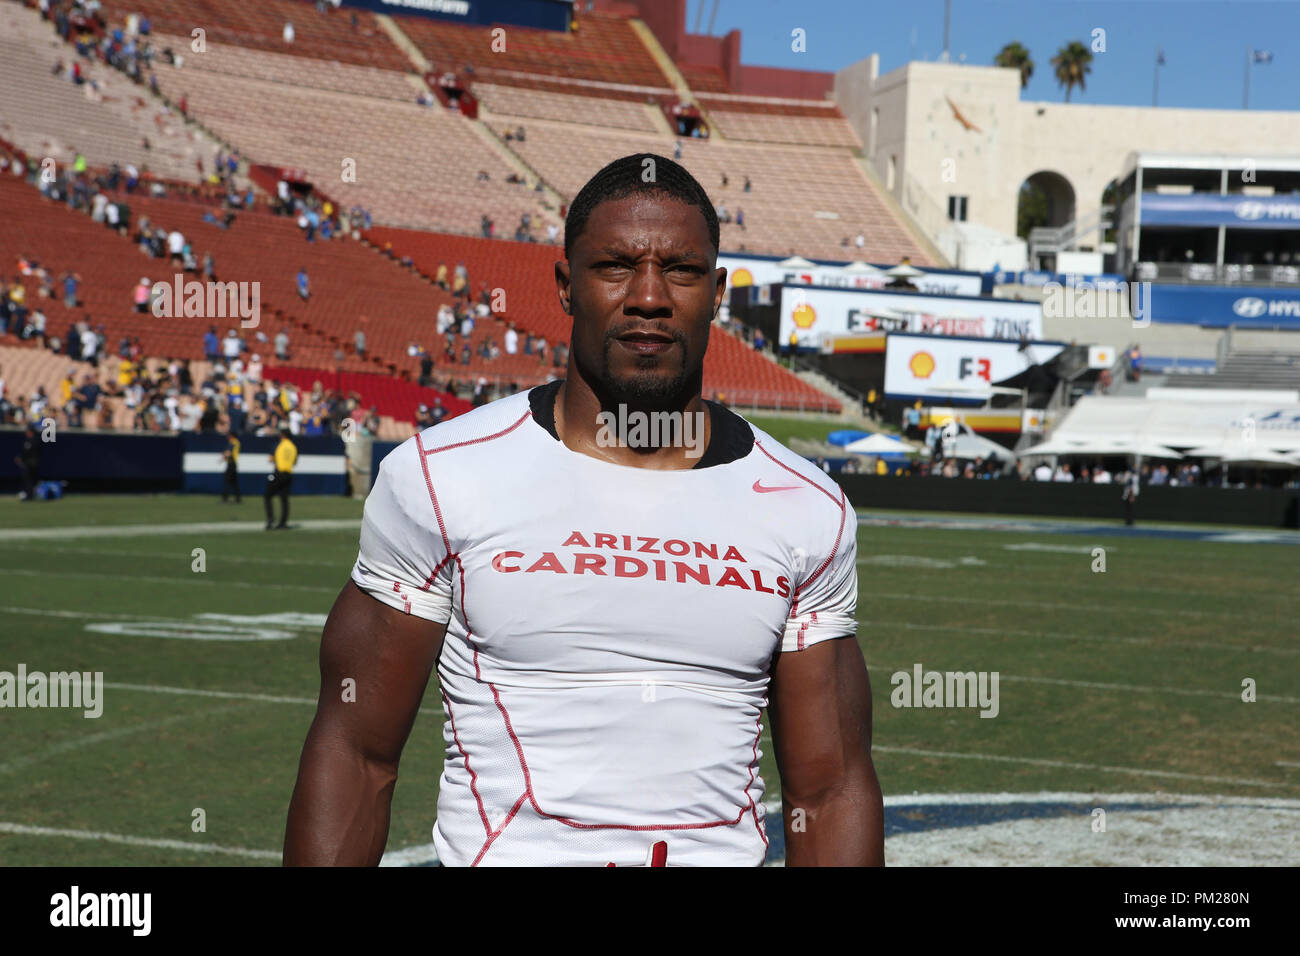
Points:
(879, 445)
(796, 262)
(861, 268)
(1104, 425)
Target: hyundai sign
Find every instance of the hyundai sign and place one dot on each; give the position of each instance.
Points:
(1249, 306)
(1207, 209)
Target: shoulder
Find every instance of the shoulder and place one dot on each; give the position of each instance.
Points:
(477, 427)
(769, 451)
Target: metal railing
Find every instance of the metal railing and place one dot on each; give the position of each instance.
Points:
(1227, 274)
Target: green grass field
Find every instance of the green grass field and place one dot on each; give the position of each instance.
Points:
(1124, 681)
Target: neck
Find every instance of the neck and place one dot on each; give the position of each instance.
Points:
(597, 425)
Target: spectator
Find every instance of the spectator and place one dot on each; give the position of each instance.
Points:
(89, 344)
(231, 346)
(747, 184)
(304, 289)
(288, 38)
(282, 344)
(1064, 474)
(1135, 364)
(512, 340)
(71, 282)
(143, 292)
(1043, 472)
(359, 341)
(740, 218)
(860, 240)
(441, 279)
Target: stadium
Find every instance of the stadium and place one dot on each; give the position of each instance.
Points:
(1058, 388)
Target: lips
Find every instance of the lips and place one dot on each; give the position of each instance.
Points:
(645, 341)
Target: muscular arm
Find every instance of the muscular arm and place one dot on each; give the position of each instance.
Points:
(820, 713)
(339, 812)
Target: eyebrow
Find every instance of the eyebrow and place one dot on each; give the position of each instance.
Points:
(671, 258)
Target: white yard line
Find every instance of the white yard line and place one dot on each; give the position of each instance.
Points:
(89, 740)
(1095, 768)
(162, 530)
(229, 695)
(180, 578)
(20, 829)
(1041, 635)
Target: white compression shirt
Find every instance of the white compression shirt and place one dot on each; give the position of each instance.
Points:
(610, 631)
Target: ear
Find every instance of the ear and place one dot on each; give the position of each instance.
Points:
(563, 288)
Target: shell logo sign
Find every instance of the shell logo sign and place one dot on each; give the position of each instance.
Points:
(921, 364)
(741, 277)
(804, 315)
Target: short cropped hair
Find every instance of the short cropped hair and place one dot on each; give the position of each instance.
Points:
(629, 176)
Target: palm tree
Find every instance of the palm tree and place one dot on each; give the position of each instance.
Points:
(1073, 63)
(1015, 56)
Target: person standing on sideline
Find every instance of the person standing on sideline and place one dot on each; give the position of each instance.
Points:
(285, 457)
(230, 485)
(1132, 488)
(29, 461)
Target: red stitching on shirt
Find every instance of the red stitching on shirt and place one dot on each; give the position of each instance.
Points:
(501, 829)
(794, 607)
(473, 777)
(797, 474)
(474, 441)
(528, 780)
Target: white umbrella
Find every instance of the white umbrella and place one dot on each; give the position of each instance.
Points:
(862, 268)
(796, 262)
(904, 270)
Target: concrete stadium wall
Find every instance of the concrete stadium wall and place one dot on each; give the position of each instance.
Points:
(1009, 140)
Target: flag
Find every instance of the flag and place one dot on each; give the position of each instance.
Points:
(1160, 57)
(1261, 56)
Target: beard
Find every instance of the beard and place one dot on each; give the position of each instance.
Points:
(652, 383)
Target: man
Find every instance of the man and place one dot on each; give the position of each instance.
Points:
(284, 458)
(28, 461)
(608, 620)
(230, 483)
(1132, 488)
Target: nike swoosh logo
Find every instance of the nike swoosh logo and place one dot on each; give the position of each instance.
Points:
(761, 490)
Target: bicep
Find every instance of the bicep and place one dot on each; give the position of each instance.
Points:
(375, 663)
(820, 713)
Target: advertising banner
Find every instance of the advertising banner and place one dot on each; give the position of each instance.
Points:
(958, 370)
(1208, 209)
(1244, 306)
(814, 313)
(746, 270)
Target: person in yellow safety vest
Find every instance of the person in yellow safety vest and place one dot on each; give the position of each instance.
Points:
(881, 467)
(285, 457)
(230, 484)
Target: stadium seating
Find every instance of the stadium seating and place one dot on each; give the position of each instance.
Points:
(804, 200)
(514, 101)
(414, 166)
(603, 49)
(260, 26)
(50, 116)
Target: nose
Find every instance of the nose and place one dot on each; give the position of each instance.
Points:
(647, 294)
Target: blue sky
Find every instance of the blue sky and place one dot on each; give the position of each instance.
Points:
(1205, 42)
